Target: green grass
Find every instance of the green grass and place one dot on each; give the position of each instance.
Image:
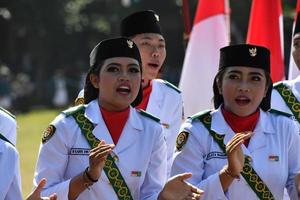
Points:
(30, 129)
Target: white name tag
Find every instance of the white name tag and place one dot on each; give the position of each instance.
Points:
(79, 151)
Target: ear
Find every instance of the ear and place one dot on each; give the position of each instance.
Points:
(94, 80)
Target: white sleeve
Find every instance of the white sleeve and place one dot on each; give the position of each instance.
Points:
(293, 160)
(12, 136)
(15, 192)
(51, 164)
(191, 159)
(156, 174)
(172, 133)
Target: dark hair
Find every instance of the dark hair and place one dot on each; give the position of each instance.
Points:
(218, 98)
(91, 93)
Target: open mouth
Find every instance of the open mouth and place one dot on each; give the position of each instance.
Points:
(242, 101)
(153, 65)
(124, 90)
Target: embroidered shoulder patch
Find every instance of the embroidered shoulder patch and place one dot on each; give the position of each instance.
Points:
(48, 133)
(181, 140)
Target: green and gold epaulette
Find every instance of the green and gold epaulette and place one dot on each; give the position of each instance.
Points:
(146, 114)
(278, 112)
(200, 114)
(5, 139)
(79, 101)
(171, 86)
(73, 110)
(277, 84)
(7, 112)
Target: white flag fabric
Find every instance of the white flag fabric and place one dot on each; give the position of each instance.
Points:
(210, 33)
(293, 69)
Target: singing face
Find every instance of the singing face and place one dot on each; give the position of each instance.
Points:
(152, 47)
(296, 49)
(118, 82)
(243, 89)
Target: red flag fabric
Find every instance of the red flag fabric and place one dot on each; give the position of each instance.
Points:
(265, 29)
(210, 32)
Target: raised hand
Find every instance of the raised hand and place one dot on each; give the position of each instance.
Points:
(235, 154)
(178, 189)
(97, 159)
(36, 194)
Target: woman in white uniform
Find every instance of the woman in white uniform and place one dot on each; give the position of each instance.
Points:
(286, 94)
(106, 149)
(160, 98)
(10, 184)
(240, 150)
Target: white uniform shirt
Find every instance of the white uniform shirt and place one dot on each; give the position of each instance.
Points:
(166, 104)
(10, 181)
(8, 126)
(141, 148)
(277, 101)
(274, 135)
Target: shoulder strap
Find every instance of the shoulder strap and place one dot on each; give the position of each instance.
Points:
(5, 139)
(278, 112)
(146, 114)
(72, 110)
(110, 168)
(7, 112)
(249, 174)
(167, 83)
(289, 98)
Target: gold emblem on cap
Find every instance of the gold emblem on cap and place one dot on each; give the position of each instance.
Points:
(156, 17)
(253, 51)
(130, 43)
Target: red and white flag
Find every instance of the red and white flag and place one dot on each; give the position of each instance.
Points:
(293, 69)
(210, 33)
(265, 29)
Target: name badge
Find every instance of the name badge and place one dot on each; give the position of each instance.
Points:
(79, 151)
(215, 154)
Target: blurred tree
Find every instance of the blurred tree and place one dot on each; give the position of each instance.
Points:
(39, 37)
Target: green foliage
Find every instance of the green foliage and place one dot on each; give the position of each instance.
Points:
(30, 129)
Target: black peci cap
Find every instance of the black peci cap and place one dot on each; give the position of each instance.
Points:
(140, 22)
(244, 55)
(115, 47)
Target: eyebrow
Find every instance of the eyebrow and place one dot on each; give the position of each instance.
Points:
(251, 73)
(118, 64)
(149, 38)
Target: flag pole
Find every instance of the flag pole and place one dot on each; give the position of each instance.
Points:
(227, 15)
(187, 21)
